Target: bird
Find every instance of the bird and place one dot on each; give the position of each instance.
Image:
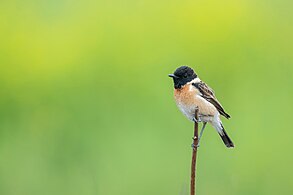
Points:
(191, 93)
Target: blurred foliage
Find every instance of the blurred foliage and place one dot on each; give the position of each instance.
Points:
(86, 106)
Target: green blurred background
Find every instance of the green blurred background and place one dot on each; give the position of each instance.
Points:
(86, 106)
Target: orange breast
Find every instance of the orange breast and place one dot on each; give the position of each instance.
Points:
(185, 96)
(188, 98)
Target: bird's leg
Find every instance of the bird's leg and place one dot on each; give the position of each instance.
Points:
(201, 132)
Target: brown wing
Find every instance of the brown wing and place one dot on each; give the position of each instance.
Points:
(208, 94)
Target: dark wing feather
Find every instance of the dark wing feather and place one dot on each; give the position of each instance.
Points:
(208, 94)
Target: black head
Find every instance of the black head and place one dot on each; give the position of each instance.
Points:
(182, 75)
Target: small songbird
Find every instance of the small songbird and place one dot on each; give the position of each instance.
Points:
(191, 93)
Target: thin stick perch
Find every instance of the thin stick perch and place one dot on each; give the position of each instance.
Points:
(194, 154)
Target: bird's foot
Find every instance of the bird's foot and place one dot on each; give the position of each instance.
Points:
(193, 146)
(196, 120)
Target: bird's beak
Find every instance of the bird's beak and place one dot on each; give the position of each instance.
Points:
(172, 75)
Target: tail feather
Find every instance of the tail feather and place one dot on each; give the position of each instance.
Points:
(226, 139)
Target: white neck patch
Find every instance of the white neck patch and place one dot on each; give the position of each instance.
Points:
(196, 80)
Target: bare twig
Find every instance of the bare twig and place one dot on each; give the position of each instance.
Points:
(194, 153)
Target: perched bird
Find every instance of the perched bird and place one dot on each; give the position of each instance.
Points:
(191, 93)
